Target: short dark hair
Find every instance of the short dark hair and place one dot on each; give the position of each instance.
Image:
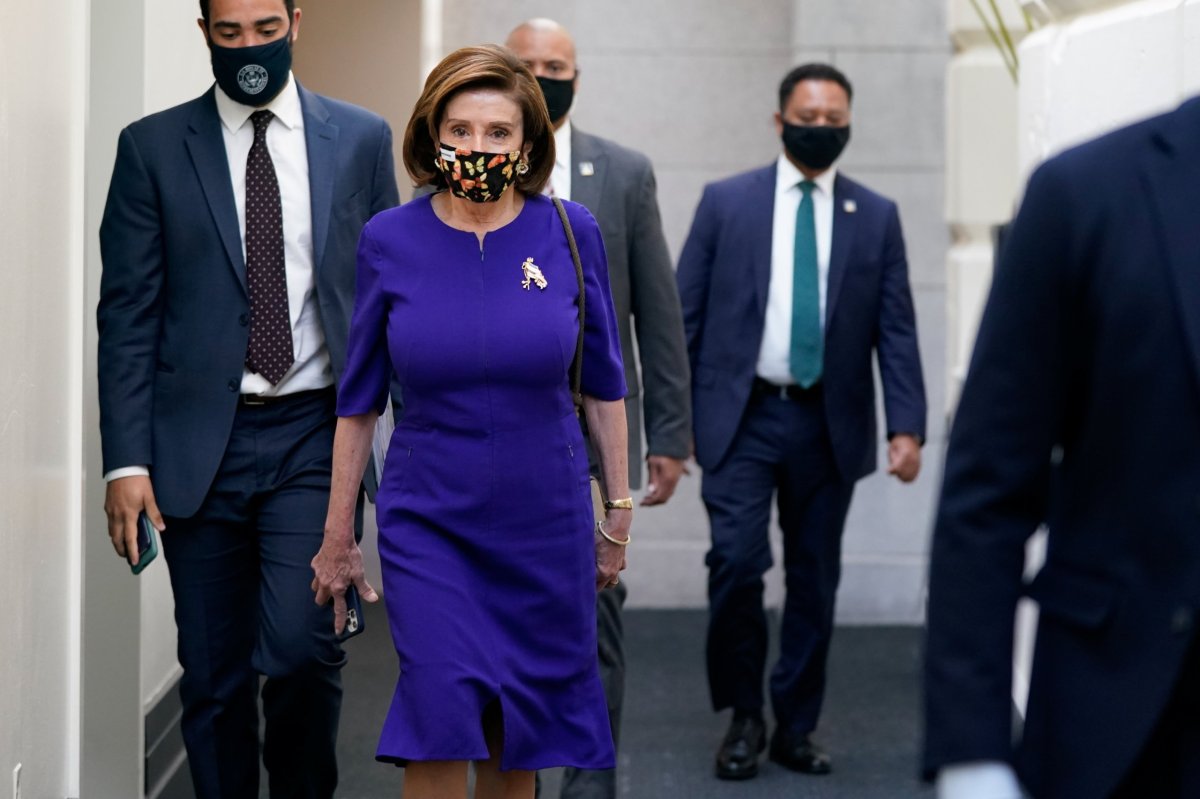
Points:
(487, 66)
(812, 72)
(206, 4)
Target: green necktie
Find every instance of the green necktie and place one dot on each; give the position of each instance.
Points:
(805, 353)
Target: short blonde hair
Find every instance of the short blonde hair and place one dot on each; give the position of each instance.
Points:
(487, 66)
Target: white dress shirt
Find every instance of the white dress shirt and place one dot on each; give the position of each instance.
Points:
(777, 328)
(984, 779)
(289, 153)
(560, 178)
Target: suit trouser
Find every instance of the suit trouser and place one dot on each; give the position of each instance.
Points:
(781, 449)
(241, 575)
(591, 783)
(1168, 766)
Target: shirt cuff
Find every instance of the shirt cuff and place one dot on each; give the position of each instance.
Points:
(983, 779)
(126, 471)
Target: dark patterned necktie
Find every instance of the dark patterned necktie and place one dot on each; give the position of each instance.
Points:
(269, 352)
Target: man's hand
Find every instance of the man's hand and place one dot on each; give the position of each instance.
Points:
(904, 457)
(124, 499)
(664, 476)
(338, 565)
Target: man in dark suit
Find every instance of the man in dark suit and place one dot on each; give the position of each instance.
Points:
(228, 244)
(1081, 411)
(791, 277)
(617, 185)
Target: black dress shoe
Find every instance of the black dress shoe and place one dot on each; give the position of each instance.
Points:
(737, 759)
(798, 753)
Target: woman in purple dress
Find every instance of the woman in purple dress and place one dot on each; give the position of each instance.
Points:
(490, 555)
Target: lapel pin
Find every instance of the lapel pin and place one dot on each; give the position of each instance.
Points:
(587, 169)
(849, 206)
(532, 275)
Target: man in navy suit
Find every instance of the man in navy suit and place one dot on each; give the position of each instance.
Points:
(228, 242)
(791, 277)
(1081, 411)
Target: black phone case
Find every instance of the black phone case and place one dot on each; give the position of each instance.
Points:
(147, 543)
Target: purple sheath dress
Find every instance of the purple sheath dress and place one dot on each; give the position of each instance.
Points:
(484, 512)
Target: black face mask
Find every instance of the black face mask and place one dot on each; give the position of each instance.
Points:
(815, 146)
(559, 96)
(253, 75)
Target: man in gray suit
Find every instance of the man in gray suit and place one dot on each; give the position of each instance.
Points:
(617, 185)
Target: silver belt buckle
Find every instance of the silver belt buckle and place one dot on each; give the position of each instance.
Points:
(252, 399)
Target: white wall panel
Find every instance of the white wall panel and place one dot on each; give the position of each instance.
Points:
(1097, 72)
(42, 75)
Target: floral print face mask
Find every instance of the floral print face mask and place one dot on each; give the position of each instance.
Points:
(478, 177)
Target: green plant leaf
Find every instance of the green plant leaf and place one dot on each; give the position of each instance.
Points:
(1006, 52)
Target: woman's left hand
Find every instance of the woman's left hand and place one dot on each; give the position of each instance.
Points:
(610, 557)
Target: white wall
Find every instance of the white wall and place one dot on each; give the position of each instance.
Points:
(42, 74)
(1090, 73)
(371, 57)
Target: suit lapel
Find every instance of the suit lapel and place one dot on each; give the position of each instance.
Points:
(206, 146)
(1172, 183)
(322, 139)
(760, 211)
(839, 250)
(587, 157)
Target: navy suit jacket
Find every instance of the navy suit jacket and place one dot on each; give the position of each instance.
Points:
(724, 274)
(1081, 410)
(173, 306)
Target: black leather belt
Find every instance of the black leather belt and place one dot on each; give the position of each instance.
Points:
(764, 388)
(255, 400)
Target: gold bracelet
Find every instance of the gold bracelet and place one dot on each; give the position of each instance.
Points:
(609, 538)
(623, 504)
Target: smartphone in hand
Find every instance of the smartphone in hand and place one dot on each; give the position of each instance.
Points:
(355, 623)
(147, 544)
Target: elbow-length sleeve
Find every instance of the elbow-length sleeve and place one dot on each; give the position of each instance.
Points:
(365, 380)
(603, 368)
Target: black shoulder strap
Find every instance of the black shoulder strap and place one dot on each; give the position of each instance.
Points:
(577, 363)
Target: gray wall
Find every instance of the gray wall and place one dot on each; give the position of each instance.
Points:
(693, 85)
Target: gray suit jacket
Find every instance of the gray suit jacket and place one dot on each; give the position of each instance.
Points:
(617, 185)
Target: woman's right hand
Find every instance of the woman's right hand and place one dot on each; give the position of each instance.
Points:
(336, 567)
